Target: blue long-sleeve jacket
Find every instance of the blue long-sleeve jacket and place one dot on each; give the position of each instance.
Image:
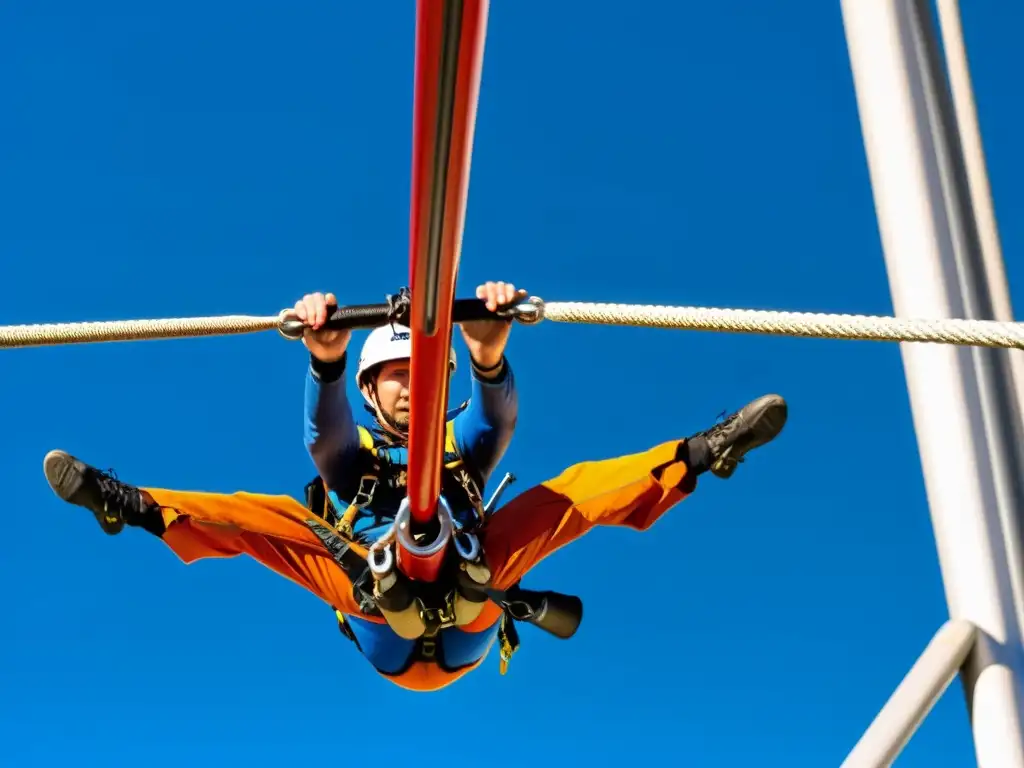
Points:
(483, 431)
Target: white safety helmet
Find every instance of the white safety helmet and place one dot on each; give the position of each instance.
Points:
(387, 343)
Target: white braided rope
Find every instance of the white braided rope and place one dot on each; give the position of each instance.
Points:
(131, 330)
(981, 333)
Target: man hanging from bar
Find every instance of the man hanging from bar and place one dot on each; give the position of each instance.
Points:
(323, 544)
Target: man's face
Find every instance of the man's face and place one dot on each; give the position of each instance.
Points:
(392, 384)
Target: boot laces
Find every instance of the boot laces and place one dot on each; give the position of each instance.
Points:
(116, 494)
(723, 420)
(722, 423)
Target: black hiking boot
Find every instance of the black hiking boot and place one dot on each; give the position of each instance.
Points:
(752, 426)
(113, 502)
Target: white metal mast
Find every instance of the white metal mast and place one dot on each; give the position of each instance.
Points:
(965, 407)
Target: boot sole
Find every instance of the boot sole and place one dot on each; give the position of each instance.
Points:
(62, 475)
(768, 424)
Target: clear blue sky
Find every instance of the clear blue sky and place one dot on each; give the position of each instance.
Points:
(175, 159)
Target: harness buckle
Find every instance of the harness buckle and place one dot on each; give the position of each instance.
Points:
(367, 487)
(472, 491)
(428, 647)
(441, 617)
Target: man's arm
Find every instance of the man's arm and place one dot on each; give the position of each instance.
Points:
(484, 429)
(329, 428)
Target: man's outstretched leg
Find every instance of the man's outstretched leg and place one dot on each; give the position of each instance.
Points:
(631, 491)
(273, 530)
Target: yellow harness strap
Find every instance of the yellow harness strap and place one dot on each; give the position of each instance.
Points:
(367, 484)
(368, 481)
(458, 468)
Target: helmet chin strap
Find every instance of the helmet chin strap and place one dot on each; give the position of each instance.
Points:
(386, 422)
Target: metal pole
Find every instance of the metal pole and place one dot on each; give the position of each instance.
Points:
(966, 113)
(965, 419)
(978, 275)
(914, 698)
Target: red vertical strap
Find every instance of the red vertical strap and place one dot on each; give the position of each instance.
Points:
(449, 55)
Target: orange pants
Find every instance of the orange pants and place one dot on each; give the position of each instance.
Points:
(631, 491)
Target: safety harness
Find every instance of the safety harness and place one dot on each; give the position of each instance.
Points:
(379, 484)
